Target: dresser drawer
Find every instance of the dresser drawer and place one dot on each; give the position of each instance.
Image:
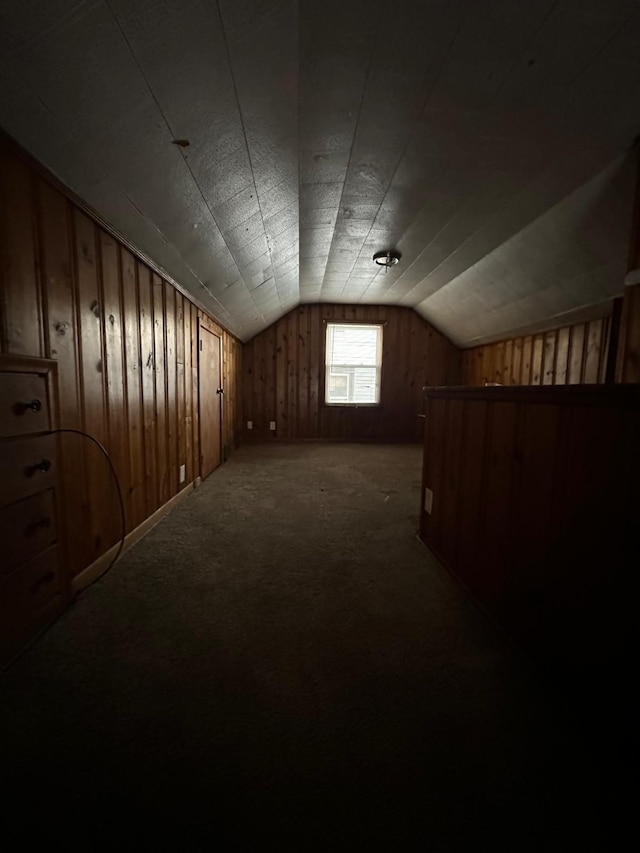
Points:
(28, 466)
(27, 528)
(30, 587)
(23, 404)
(28, 598)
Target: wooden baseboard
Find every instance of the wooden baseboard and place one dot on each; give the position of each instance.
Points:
(98, 567)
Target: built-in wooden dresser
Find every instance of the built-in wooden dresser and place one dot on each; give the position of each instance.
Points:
(33, 588)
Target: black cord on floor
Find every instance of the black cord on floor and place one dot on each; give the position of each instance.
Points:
(123, 523)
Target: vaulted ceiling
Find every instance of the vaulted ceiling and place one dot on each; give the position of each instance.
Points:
(262, 151)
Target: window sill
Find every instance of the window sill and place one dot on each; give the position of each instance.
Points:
(352, 405)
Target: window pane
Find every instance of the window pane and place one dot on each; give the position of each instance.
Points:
(353, 358)
(352, 344)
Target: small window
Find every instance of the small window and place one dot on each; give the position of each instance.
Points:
(353, 357)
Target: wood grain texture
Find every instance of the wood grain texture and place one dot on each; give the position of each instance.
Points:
(283, 376)
(570, 355)
(125, 342)
(534, 505)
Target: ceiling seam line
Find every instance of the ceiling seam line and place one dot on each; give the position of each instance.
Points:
(167, 123)
(60, 23)
(246, 141)
(525, 49)
(425, 103)
(598, 53)
(351, 147)
(546, 17)
(510, 200)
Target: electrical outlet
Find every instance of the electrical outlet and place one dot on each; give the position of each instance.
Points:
(183, 473)
(249, 424)
(272, 425)
(428, 500)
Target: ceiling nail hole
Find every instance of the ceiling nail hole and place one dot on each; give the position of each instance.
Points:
(531, 62)
(183, 143)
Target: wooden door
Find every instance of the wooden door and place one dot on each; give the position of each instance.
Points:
(210, 392)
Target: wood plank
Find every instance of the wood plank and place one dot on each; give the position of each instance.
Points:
(134, 407)
(472, 474)
(316, 367)
(527, 353)
(112, 324)
(449, 539)
(498, 363)
(303, 374)
(247, 391)
(180, 389)
(535, 460)
(147, 374)
(170, 385)
(160, 379)
(293, 374)
(189, 402)
(562, 356)
(537, 357)
(495, 543)
(576, 354)
(593, 349)
(507, 374)
(195, 439)
(516, 372)
(438, 416)
(20, 301)
(549, 359)
(281, 377)
(92, 383)
(209, 379)
(238, 391)
(262, 408)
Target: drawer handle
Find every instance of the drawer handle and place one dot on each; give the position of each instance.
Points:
(43, 465)
(32, 406)
(45, 579)
(43, 523)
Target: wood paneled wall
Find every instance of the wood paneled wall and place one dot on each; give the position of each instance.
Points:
(126, 345)
(283, 376)
(571, 355)
(534, 505)
(628, 356)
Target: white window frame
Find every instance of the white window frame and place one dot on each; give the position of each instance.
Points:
(337, 367)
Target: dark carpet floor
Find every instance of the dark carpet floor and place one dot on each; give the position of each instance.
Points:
(282, 664)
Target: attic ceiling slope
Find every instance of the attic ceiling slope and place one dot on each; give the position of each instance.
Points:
(470, 137)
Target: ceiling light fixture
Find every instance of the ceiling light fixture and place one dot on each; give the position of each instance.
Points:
(386, 258)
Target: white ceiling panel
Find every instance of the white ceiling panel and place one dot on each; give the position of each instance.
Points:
(483, 141)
